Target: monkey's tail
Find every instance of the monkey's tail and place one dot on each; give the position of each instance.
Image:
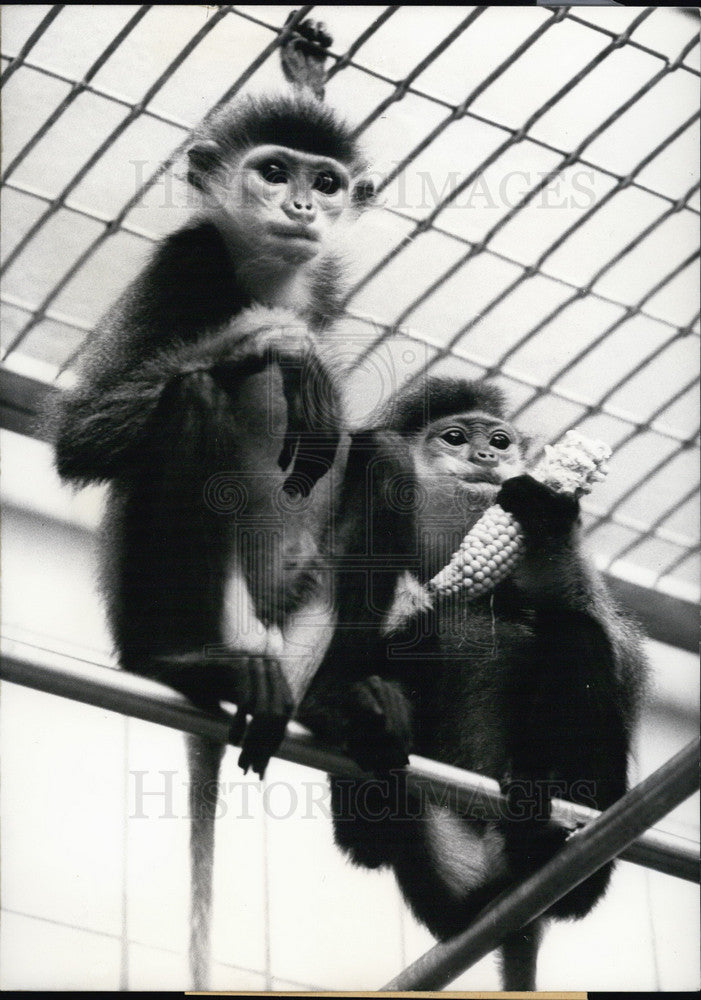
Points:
(204, 760)
(519, 955)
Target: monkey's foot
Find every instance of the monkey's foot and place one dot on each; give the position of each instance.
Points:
(255, 684)
(378, 731)
(530, 839)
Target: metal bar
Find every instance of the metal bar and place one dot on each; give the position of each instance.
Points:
(498, 255)
(180, 124)
(345, 59)
(528, 272)
(461, 110)
(651, 530)
(22, 401)
(115, 133)
(105, 95)
(85, 213)
(584, 290)
(513, 139)
(40, 29)
(114, 224)
(640, 482)
(633, 44)
(666, 618)
(662, 616)
(631, 311)
(518, 377)
(118, 691)
(401, 87)
(675, 563)
(77, 89)
(580, 857)
(531, 269)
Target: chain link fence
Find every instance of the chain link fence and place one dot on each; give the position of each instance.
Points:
(538, 174)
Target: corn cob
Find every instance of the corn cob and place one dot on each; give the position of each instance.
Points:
(493, 546)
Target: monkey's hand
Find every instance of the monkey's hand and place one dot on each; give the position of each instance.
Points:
(255, 684)
(303, 55)
(540, 511)
(376, 731)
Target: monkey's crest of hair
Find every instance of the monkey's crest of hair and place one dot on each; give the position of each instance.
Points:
(299, 121)
(408, 412)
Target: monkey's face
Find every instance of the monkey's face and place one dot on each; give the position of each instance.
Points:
(281, 203)
(472, 447)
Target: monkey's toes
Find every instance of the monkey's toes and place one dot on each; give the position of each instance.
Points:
(379, 731)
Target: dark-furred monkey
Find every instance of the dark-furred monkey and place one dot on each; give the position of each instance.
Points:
(535, 684)
(207, 401)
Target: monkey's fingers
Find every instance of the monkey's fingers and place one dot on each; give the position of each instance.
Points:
(539, 509)
(238, 726)
(268, 690)
(263, 738)
(269, 701)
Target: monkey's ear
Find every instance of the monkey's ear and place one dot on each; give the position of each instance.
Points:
(531, 448)
(363, 194)
(204, 156)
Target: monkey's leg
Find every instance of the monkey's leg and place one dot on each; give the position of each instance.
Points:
(519, 955)
(567, 739)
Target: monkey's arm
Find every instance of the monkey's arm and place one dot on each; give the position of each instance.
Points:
(556, 575)
(573, 695)
(100, 428)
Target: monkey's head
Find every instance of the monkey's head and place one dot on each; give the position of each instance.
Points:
(458, 429)
(280, 172)
(463, 448)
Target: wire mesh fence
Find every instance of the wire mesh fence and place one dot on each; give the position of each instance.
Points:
(538, 172)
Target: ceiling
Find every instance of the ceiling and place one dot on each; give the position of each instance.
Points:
(539, 218)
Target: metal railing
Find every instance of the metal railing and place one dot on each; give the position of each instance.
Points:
(595, 837)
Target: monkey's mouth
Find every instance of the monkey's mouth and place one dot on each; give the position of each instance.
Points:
(295, 233)
(486, 476)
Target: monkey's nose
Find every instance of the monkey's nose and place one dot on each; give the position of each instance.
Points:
(485, 457)
(301, 209)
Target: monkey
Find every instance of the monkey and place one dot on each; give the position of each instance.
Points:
(536, 684)
(209, 404)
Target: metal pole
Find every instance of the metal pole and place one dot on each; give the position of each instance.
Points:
(470, 794)
(585, 852)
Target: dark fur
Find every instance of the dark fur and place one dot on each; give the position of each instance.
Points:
(538, 681)
(182, 382)
(295, 120)
(437, 397)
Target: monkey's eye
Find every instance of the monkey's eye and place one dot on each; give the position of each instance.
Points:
(327, 182)
(500, 440)
(273, 172)
(455, 436)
